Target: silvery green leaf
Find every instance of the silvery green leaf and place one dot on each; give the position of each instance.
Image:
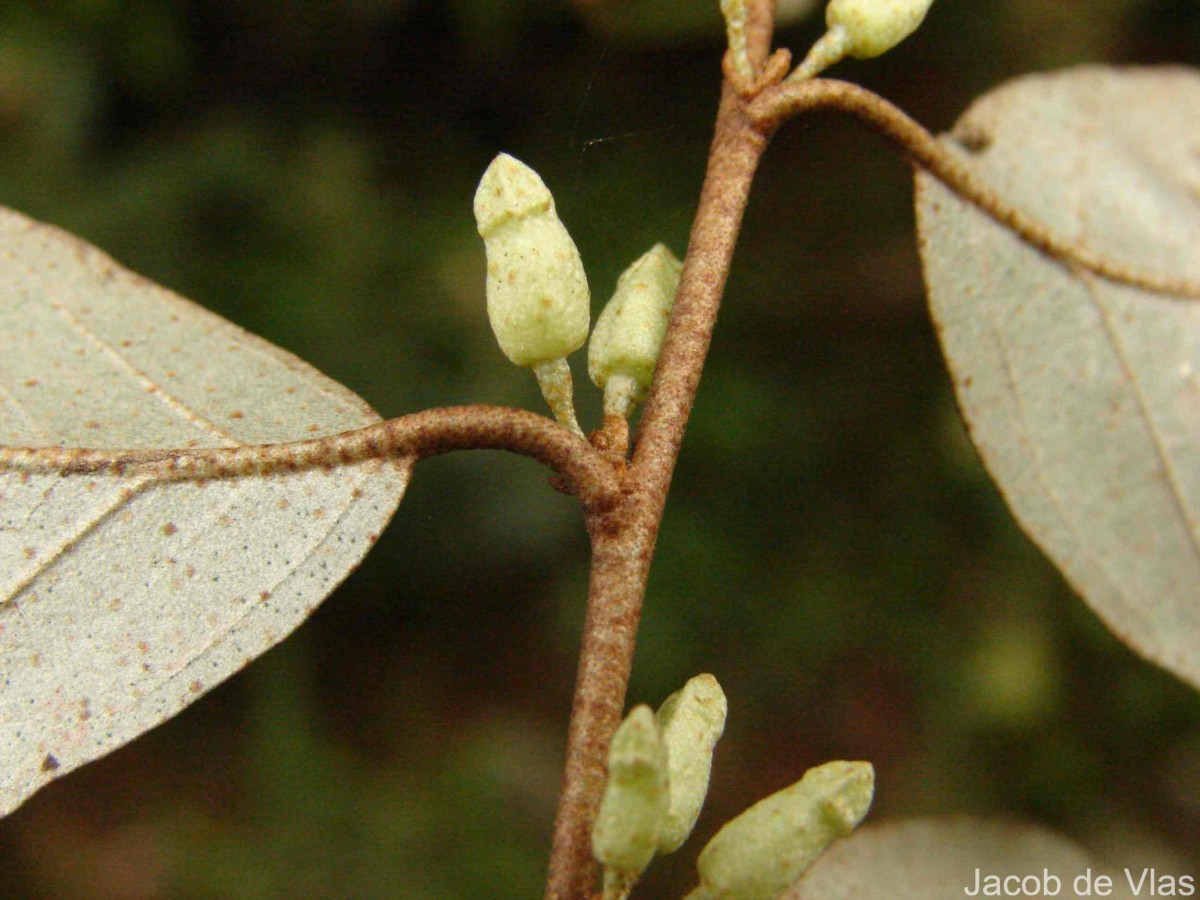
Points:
(943, 859)
(1083, 395)
(123, 598)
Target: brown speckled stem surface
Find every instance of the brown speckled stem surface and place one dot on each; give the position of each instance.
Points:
(623, 537)
(583, 470)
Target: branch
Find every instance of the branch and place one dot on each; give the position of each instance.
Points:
(624, 535)
(429, 433)
(780, 102)
(623, 538)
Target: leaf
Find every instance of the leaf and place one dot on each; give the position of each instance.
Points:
(1083, 395)
(937, 859)
(125, 598)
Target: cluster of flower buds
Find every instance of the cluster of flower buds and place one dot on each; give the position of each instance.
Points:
(538, 305)
(537, 293)
(658, 773)
(538, 300)
(658, 769)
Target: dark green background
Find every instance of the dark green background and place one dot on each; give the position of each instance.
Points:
(832, 550)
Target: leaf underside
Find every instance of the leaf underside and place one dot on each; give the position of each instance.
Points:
(937, 859)
(124, 598)
(1083, 395)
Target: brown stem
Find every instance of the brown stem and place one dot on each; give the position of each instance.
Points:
(782, 101)
(429, 433)
(624, 535)
(623, 538)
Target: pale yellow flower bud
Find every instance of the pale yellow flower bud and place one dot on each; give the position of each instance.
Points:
(631, 814)
(628, 336)
(862, 29)
(876, 26)
(537, 292)
(763, 851)
(691, 720)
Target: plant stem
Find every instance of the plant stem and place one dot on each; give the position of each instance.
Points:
(624, 534)
(781, 102)
(623, 537)
(583, 470)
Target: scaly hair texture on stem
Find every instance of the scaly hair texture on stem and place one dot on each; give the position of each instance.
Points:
(783, 101)
(623, 539)
(430, 433)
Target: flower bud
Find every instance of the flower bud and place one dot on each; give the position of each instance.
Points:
(691, 720)
(862, 29)
(875, 26)
(765, 849)
(631, 813)
(624, 347)
(537, 293)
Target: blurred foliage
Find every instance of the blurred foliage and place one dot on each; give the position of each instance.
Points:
(832, 550)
